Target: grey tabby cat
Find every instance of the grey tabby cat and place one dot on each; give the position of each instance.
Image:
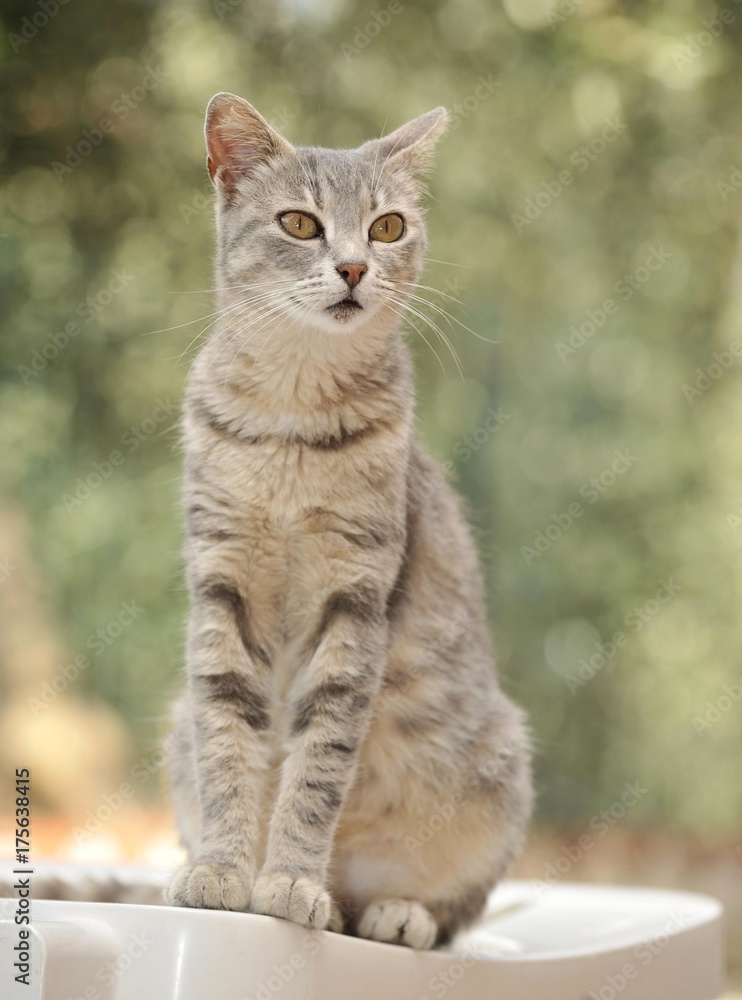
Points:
(344, 753)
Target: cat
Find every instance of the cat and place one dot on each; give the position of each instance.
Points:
(344, 755)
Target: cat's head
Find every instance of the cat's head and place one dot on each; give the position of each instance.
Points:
(334, 238)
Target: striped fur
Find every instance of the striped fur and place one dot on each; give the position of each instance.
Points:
(344, 751)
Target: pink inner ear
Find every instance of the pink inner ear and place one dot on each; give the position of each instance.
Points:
(220, 151)
(225, 146)
(237, 139)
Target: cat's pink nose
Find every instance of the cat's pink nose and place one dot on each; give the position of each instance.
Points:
(352, 273)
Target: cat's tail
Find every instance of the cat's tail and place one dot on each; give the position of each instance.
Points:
(86, 883)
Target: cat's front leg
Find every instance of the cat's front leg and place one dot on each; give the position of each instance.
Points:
(331, 714)
(230, 712)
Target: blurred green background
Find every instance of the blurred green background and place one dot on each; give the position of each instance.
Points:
(588, 202)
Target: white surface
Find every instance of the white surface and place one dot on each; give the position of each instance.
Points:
(566, 942)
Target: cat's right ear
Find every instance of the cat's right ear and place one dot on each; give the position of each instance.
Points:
(237, 140)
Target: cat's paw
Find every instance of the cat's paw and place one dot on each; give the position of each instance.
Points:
(298, 899)
(211, 885)
(398, 921)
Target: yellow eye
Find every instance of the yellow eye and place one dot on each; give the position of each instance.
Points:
(387, 229)
(304, 227)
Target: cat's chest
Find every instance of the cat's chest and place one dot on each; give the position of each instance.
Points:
(298, 519)
(298, 525)
(280, 484)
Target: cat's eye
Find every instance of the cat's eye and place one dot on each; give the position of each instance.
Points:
(299, 224)
(387, 229)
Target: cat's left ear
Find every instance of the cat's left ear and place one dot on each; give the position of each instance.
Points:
(411, 145)
(238, 139)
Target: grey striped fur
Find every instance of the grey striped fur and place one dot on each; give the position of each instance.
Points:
(342, 695)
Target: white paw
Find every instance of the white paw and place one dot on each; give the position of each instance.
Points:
(298, 899)
(399, 921)
(210, 885)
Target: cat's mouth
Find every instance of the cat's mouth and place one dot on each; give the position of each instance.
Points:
(345, 308)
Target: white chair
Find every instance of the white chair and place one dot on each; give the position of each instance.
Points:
(564, 942)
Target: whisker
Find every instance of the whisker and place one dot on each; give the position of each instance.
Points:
(295, 309)
(282, 309)
(235, 307)
(274, 313)
(303, 170)
(436, 329)
(402, 85)
(229, 288)
(441, 335)
(243, 304)
(264, 314)
(450, 263)
(438, 291)
(261, 312)
(190, 322)
(225, 312)
(429, 288)
(216, 312)
(450, 318)
(417, 330)
(383, 166)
